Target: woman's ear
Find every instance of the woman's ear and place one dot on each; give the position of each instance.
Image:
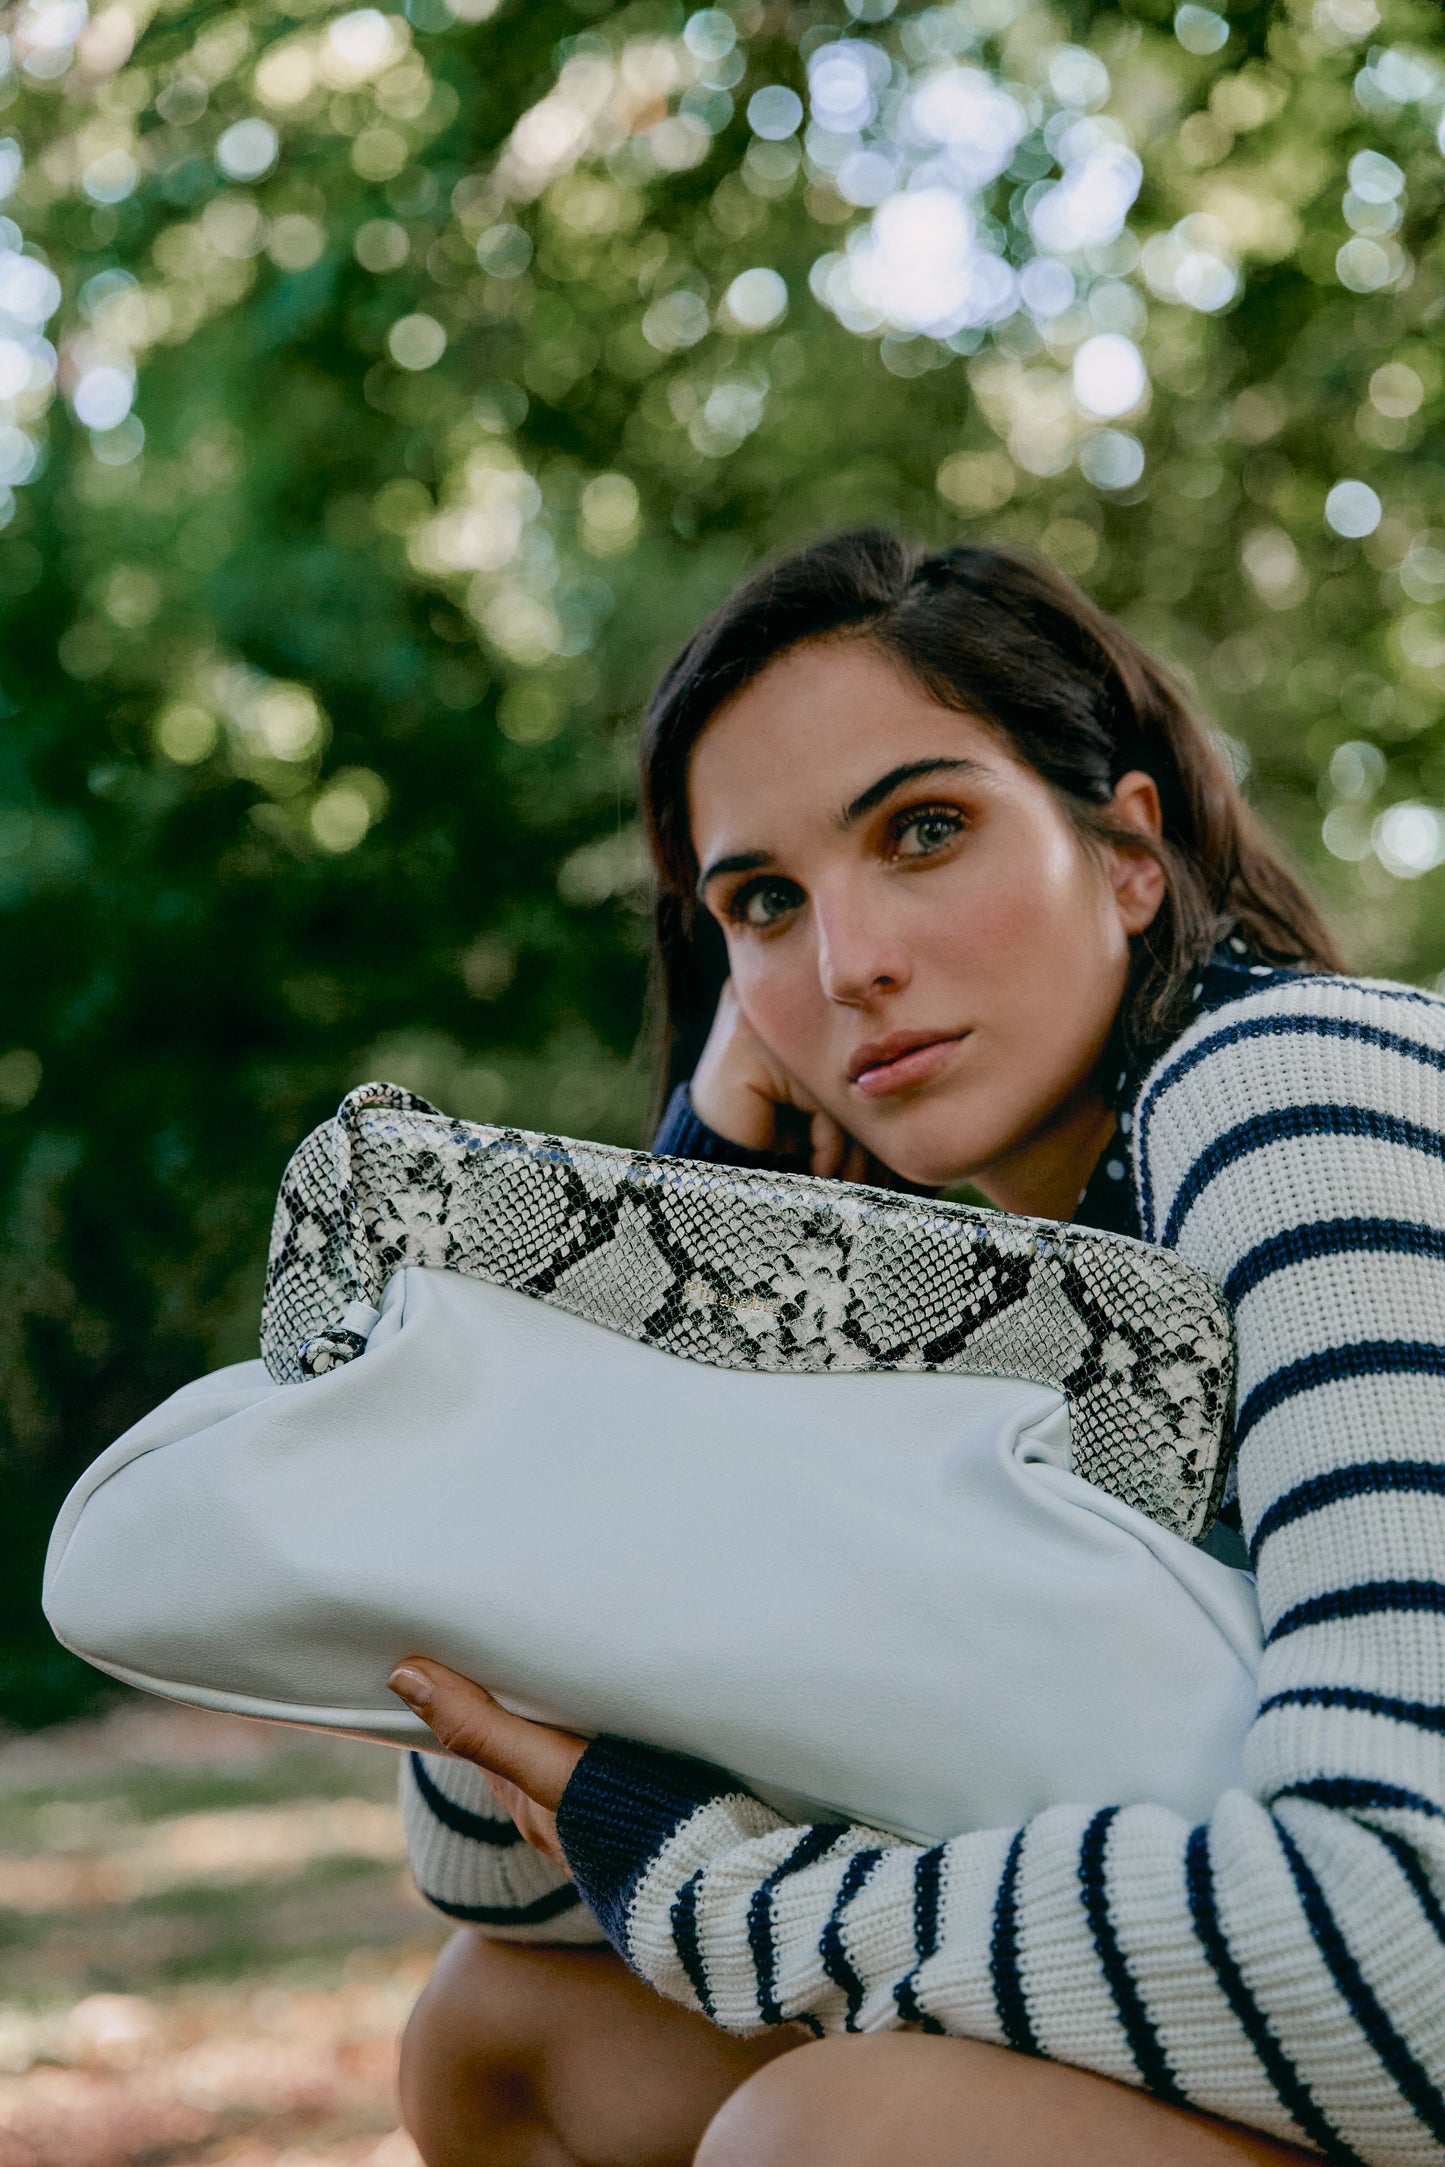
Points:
(1136, 876)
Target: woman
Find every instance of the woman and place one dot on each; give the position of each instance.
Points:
(951, 886)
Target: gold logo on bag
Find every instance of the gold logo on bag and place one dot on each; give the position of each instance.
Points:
(698, 1291)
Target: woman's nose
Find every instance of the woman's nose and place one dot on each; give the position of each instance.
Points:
(858, 957)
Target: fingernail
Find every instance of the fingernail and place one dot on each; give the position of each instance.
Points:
(411, 1686)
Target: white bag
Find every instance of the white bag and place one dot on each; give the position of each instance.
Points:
(883, 1594)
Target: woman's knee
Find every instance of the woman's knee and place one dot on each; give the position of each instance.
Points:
(475, 2048)
(790, 2113)
(513, 2041)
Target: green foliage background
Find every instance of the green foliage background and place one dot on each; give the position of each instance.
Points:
(321, 667)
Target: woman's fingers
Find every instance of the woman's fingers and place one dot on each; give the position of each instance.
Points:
(858, 1165)
(828, 1146)
(534, 1823)
(837, 1156)
(469, 1724)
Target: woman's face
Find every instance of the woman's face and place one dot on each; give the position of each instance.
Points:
(916, 930)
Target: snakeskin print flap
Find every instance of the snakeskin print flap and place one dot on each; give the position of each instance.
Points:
(756, 1271)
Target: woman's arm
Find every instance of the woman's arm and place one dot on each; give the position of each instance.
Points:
(1284, 1963)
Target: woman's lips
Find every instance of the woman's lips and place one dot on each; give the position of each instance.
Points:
(915, 1065)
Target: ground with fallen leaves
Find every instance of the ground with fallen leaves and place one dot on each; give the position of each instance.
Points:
(208, 1945)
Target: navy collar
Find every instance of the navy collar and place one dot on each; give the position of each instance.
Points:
(1109, 1202)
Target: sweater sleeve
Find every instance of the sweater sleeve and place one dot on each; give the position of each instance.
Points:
(683, 1134)
(1283, 1963)
(469, 1860)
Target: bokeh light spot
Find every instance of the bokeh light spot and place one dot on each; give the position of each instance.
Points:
(775, 112)
(711, 34)
(977, 481)
(416, 342)
(20, 1078)
(1374, 177)
(843, 78)
(1200, 30)
(378, 154)
(363, 40)
(756, 299)
(1352, 509)
(676, 320)
(504, 251)
(1364, 266)
(1357, 769)
(347, 809)
(295, 242)
(1087, 208)
(1109, 375)
(1046, 288)
(186, 733)
(103, 396)
(111, 177)
(532, 712)
(1409, 840)
(247, 149)
(1396, 390)
(1111, 459)
(380, 244)
(29, 291)
(610, 515)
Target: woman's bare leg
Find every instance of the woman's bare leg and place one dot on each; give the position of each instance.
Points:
(899, 2097)
(522, 2056)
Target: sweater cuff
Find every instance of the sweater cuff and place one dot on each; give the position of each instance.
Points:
(683, 1135)
(621, 1805)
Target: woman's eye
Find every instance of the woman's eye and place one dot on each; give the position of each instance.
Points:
(919, 835)
(762, 903)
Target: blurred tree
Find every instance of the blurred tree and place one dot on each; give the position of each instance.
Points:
(382, 396)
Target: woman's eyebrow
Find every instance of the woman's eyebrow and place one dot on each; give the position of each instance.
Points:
(887, 784)
(749, 861)
(745, 861)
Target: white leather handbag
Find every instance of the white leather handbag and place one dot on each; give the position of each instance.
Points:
(885, 1505)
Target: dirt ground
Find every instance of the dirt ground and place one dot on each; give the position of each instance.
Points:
(208, 1945)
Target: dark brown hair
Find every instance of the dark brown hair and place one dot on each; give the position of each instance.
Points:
(998, 634)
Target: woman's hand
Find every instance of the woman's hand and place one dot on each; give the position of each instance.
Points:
(527, 1765)
(742, 1090)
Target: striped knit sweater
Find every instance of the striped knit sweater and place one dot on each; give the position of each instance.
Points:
(1282, 1964)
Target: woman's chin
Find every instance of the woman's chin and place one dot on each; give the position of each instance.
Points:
(924, 1168)
(931, 1154)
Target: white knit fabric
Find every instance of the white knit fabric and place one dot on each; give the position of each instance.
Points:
(1284, 1964)
(470, 1862)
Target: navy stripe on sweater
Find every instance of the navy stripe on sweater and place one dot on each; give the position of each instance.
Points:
(927, 1906)
(836, 1961)
(1357, 1794)
(1144, 2043)
(1008, 1988)
(542, 1908)
(814, 1843)
(1412, 1868)
(1368, 1600)
(686, 1943)
(1331, 1238)
(480, 1827)
(1333, 1365)
(1286, 1124)
(1361, 1478)
(1424, 1715)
